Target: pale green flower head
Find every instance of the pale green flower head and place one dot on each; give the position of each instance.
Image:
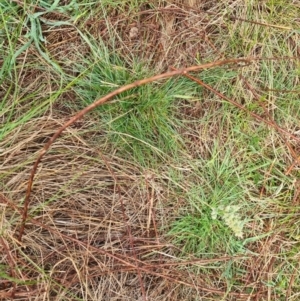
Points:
(231, 217)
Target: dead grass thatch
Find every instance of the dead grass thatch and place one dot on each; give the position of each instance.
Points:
(94, 224)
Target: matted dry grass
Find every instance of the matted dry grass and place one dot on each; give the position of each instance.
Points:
(94, 224)
(93, 220)
(164, 33)
(97, 220)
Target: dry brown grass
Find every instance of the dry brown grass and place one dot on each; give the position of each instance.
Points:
(94, 223)
(164, 33)
(98, 221)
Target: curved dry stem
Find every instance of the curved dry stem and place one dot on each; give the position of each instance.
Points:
(80, 114)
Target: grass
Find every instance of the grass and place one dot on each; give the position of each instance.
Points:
(168, 191)
(140, 122)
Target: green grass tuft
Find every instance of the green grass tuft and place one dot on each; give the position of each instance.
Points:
(141, 122)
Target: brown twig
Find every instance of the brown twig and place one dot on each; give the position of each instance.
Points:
(275, 125)
(270, 123)
(97, 103)
(109, 96)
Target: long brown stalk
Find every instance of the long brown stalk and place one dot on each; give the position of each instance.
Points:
(138, 83)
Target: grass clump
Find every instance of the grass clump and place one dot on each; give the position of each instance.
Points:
(216, 225)
(141, 122)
